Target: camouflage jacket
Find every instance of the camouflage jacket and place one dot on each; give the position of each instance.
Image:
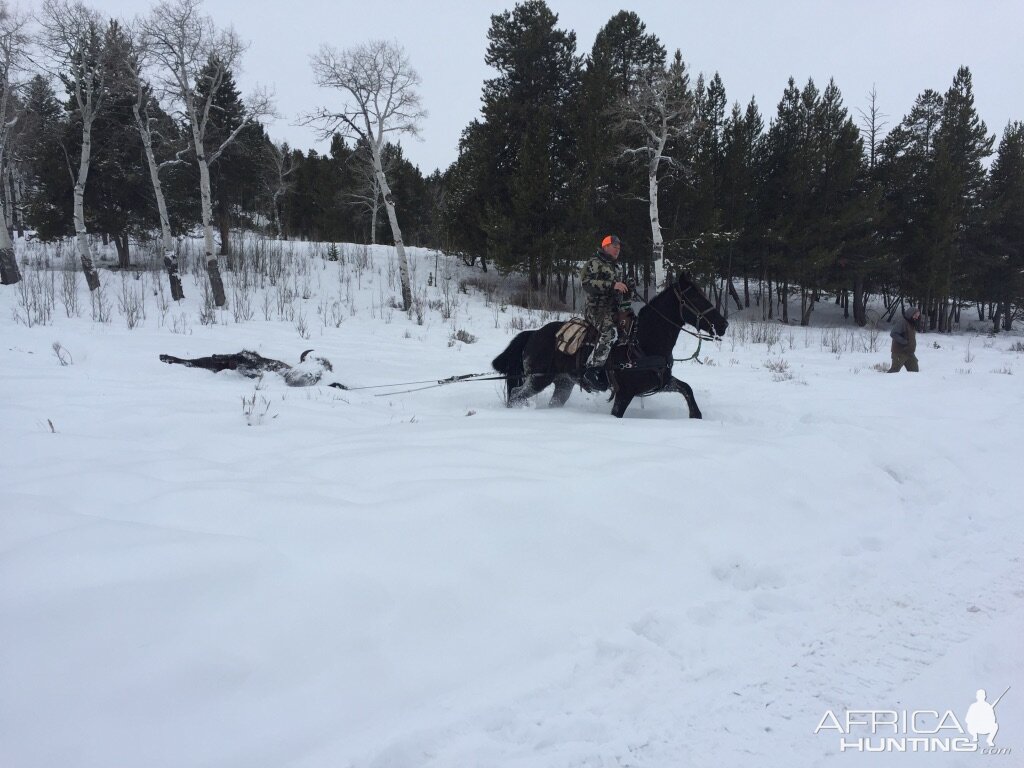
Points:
(598, 277)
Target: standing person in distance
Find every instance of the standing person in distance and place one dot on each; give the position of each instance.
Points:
(904, 341)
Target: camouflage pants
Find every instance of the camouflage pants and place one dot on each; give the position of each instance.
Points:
(900, 359)
(605, 342)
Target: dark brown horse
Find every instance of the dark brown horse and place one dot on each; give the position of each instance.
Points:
(531, 363)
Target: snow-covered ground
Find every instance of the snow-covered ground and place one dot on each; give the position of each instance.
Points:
(431, 579)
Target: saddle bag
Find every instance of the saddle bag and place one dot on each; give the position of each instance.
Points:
(571, 335)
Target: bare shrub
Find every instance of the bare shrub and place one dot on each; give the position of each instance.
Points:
(831, 339)
(100, 306)
(765, 332)
(63, 356)
(300, 325)
(69, 292)
(131, 302)
(208, 310)
(460, 335)
(779, 368)
(179, 324)
(37, 292)
(255, 410)
(516, 323)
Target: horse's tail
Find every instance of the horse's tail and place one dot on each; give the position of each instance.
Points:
(510, 363)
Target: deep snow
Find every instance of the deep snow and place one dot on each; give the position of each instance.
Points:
(431, 579)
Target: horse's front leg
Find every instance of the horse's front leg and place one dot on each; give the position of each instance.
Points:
(622, 400)
(676, 385)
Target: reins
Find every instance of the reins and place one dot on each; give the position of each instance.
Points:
(683, 302)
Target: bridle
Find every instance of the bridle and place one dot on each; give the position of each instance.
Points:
(685, 303)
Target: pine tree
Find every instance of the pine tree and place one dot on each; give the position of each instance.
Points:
(623, 56)
(911, 228)
(741, 146)
(40, 144)
(527, 138)
(1004, 226)
(704, 216)
(119, 197)
(235, 175)
(962, 145)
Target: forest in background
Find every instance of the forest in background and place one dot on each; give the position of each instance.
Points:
(809, 201)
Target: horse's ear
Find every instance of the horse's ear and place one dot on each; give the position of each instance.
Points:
(302, 357)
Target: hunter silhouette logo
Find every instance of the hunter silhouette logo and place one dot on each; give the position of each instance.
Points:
(981, 717)
(917, 730)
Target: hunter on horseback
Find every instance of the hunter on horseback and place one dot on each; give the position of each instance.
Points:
(608, 290)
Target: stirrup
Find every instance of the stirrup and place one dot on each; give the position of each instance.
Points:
(595, 379)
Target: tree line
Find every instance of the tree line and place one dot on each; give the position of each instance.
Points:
(137, 131)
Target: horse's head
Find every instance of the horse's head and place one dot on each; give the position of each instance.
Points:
(697, 309)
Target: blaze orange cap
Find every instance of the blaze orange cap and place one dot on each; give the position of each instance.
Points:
(610, 240)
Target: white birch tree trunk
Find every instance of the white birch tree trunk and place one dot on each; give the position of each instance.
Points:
(206, 196)
(81, 235)
(274, 203)
(166, 239)
(9, 273)
(658, 244)
(396, 231)
(374, 207)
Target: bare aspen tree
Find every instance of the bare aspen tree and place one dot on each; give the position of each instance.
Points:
(146, 122)
(658, 110)
(381, 101)
(280, 163)
(192, 58)
(74, 37)
(13, 45)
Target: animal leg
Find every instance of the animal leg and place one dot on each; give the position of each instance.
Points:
(563, 388)
(622, 401)
(534, 384)
(676, 385)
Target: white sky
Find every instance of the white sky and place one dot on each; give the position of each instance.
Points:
(900, 46)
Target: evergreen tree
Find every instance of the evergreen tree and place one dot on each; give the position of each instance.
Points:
(962, 145)
(785, 188)
(235, 175)
(1003, 279)
(40, 143)
(741, 147)
(527, 138)
(911, 229)
(624, 56)
(118, 199)
(703, 221)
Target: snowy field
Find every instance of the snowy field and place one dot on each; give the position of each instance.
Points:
(197, 569)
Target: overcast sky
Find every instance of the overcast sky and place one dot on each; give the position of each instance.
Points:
(901, 47)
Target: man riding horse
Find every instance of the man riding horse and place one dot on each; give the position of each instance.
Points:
(608, 290)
